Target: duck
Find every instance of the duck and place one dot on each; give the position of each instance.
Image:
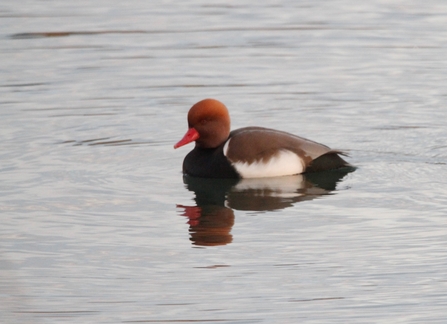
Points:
(248, 152)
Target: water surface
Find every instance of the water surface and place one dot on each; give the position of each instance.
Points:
(98, 224)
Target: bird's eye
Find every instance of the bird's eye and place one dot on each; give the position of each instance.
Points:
(204, 121)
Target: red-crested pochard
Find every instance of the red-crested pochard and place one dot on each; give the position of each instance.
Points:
(249, 152)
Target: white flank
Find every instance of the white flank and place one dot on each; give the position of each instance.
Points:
(283, 163)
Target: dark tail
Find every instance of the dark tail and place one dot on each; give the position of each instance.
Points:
(329, 161)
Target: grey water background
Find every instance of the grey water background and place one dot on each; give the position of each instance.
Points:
(94, 226)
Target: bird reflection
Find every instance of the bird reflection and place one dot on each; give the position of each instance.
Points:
(212, 219)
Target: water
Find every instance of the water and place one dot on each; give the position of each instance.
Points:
(97, 224)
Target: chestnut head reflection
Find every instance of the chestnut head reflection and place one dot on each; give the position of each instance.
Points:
(212, 218)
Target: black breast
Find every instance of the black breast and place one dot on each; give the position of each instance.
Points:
(208, 163)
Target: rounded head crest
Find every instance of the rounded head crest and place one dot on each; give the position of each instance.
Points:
(207, 109)
(211, 119)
